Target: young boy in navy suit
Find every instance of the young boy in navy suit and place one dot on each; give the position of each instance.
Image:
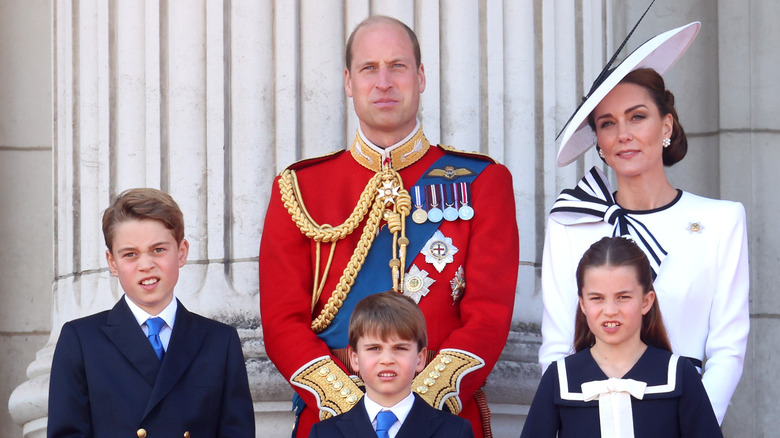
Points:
(148, 367)
(387, 346)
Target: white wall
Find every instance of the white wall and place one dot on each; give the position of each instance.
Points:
(25, 192)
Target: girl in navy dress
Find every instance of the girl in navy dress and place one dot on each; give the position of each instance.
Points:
(623, 381)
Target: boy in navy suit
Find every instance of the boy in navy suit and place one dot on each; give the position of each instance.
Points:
(387, 346)
(148, 367)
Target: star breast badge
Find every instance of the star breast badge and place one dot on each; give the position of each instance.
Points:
(439, 250)
(458, 284)
(416, 283)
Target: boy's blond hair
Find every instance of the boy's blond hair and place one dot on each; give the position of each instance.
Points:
(140, 204)
(385, 315)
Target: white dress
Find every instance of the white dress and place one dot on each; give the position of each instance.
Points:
(702, 285)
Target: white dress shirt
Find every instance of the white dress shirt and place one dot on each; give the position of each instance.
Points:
(168, 315)
(401, 411)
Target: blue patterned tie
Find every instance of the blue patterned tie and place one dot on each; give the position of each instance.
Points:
(154, 325)
(384, 420)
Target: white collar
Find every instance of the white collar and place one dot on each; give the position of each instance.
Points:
(168, 314)
(385, 152)
(401, 409)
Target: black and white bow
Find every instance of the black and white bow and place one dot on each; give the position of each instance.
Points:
(592, 201)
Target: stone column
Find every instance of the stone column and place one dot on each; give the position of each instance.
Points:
(210, 99)
(142, 97)
(748, 136)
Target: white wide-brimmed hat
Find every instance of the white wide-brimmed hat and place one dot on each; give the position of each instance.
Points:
(659, 53)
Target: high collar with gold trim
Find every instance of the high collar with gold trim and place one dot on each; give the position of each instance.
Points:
(400, 155)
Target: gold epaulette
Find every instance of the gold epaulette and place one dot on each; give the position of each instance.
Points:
(334, 390)
(439, 383)
(479, 155)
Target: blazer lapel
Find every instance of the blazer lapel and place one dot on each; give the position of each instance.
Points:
(422, 421)
(355, 422)
(186, 340)
(123, 331)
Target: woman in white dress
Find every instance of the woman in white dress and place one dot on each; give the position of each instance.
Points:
(697, 246)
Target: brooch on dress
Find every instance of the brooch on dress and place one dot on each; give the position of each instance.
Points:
(695, 227)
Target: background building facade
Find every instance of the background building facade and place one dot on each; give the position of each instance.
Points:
(210, 99)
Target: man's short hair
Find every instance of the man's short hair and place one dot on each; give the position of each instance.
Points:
(386, 315)
(140, 204)
(387, 20)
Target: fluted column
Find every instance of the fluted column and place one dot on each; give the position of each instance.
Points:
(142, 98)
(209, 100)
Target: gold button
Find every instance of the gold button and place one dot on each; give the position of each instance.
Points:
(440, 367)
(345, 392)
(324, 371)
(422, 389)
(429, 381)
(187, 434)
(446, 359)
(331, 378)
(434, 374)
(141, 433)
(352, 399)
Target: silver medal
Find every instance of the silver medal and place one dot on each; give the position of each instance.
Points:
(466, 212)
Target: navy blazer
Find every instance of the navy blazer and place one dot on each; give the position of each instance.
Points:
(106, 380)
(423, 421)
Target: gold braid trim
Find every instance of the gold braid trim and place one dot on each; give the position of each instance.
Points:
(439, 383)
(336, 392)
(291, 197)
(384, 188)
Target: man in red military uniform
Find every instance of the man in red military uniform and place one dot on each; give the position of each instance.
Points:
(391, 212)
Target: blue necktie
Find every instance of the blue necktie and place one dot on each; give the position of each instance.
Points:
(154, 325)
(384, 420)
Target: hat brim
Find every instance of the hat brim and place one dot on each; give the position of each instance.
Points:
(659, 53)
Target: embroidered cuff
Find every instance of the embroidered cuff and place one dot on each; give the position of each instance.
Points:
(439, 383)
(334, 390)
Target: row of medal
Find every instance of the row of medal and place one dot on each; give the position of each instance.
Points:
(435, 202)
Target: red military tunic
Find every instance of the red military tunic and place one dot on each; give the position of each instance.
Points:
(471, 324)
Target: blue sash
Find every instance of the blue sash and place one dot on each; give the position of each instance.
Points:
(375, 275)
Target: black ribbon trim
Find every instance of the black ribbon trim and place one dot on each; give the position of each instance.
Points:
(592, 197)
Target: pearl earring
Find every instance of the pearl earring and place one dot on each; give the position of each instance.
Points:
(601, 154)
(666, 142)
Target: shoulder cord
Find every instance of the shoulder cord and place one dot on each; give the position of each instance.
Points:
(383, 189)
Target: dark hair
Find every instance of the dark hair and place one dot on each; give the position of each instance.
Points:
(614, 252)
(385, 315)
(140, 204)
(387, 20)
(653, 82)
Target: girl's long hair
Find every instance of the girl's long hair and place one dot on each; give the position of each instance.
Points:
(615, 252)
